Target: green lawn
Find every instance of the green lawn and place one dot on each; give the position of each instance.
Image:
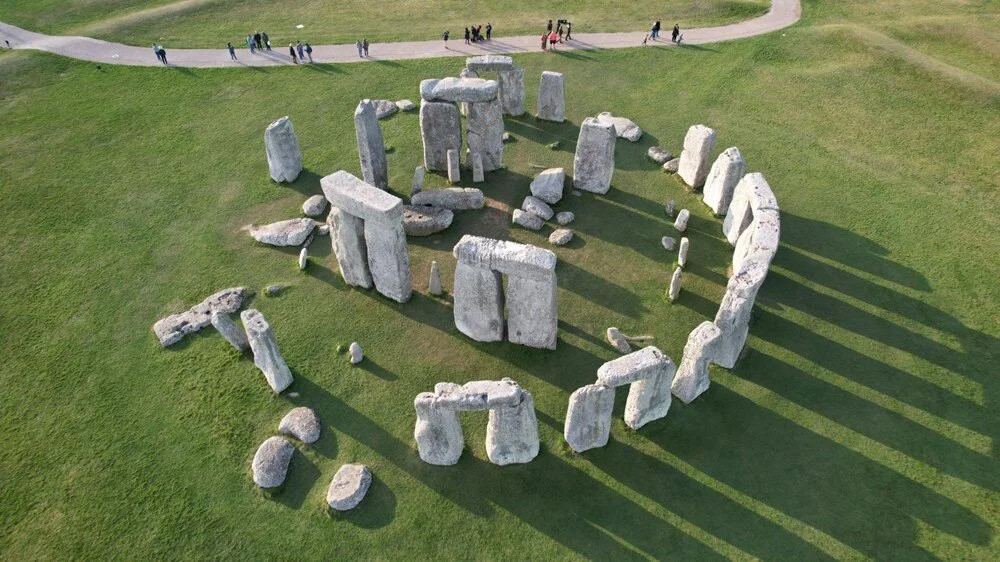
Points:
(211, 23)
(861, 422)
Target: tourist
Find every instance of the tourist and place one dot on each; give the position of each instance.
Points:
(655, 32)
(156, 52)
(359, 46)
(473, 34)
(552, 40)
(569, 30)
(163, 54)
(309, 51)
(545, 39)
(467, 35)
(489, 30)
(291, 53)
(250, 43)
(675, 33)
(257, 40)
(364, 44)
(267, 40)
(559, 31)
(301, 50)
(232, 51)
(445, 37)
(549, 28)
(8, 44)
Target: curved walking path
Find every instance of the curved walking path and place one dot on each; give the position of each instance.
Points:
(783, 13)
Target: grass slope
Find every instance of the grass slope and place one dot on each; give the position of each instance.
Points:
(860, 423)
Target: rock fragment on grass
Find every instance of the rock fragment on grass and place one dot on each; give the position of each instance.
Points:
(528, 220)
(536, 206)
(561, 236)
(349, 487)
(356, 354)
(668, 243)
(565, 218)
(292, 232)
(230, 331)
(270, 462)
(659, 154)
(681, 223)
(671, 166)
(424, 221)
(301, 423)
(314, 206)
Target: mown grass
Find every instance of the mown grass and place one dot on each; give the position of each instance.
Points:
(211, 23)
(860, 423)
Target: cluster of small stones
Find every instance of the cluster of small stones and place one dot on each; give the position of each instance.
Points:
(530, 298)
(511, 432)
(649, 373)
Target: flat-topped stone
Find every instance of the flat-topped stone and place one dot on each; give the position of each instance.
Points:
(506, 257)
(552, 97)
(489, 63)
(548, 185)
(454, 198)
(594, 160)
(301, 423)
(635, 366)
(270, 462)
(527, 219)
(588, 417)
(424, 221)
(291, 232)
(625, 128)
(363, 200)
(452, 89)
(348, 486)
(698, 144)
(477, 395)
(536, 206)
(171, 329)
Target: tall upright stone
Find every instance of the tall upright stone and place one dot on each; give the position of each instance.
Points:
(463, 106)
(371, 147)
(698, 144)
(532, 311)
(699, 351)
(454, 168)
(588, 417)
(438, 432)
(284, 159)
(594, 162)
(552, 98)
(484, 133)
(479, 302)
(733, 316)
(347, 240)
(441, 131)
(649, 398)
(726, 172)
(752, 195)
(266, 356)
(512, 432)
(512, 91)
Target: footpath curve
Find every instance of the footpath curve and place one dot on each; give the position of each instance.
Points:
(782, 13)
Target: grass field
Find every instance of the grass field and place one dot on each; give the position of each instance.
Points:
(211, 23)
(862, 421)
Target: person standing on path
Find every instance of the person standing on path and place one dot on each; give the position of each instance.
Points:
(559, 31)
(232, 51)
(552, 40)
(445, 37)
(545, 39)
(549, 28)
(364, 43)
(250, 43)
(675, 33)
(301, 51)
(466, 35)
(156, 51)
(489, 30)
(309, 51)
(569, 30)
(162, 54)
(358, 45)
(257, 40)
(291, 53)
(654, 33)
(266, 40)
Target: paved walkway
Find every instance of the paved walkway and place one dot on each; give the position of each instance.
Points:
(782, 14)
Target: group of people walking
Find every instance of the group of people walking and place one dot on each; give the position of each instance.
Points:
(654, 33)
(553, 36)
(258, 41)
(473, 34)
(362, 46)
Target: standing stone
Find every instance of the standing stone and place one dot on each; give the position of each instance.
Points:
(532, 311)
(229, 330)
(512, 432)
(478, 175)
(698, 144)
(417, 185)
(752, 196)
(538, 207)
(594, 161)
(588, 417)
(675, 284)
(548, 185)
(348, 487)
(551, 98)
(303, 258)
(682, 254)
(437, 431)
(314, 206)
(463, 106)
(668, 243)
(284, 159)
(454, 171)
(669, 207)
(434, 284)
(266, 356)
(726, 172)
(441, 131)
(371, 147)
(699, 352)
(761, 238)
(479, 302)
(512, 91)
(681, 223)
(347, 239)
(733, 316)
(357, 355)
(484, 133)
(270, 462)
(649, 398)
(302, 424)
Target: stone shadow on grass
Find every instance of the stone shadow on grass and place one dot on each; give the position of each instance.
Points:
(599, 290)
(377, 509)
(302, 476)
(544, 132)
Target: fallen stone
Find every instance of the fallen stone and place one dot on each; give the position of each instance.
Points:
(548, 185)
(659, 155)
(478, 176)
(536, 206)
(454, 198)
(300, 423)
(270, 462)
(682, 254)
(314, 206)
(675, 284)
(618, 340)
(291, 232)
(726, 172)
(698, 144)
(441, 131)
(551, 97)
(384, 108)
(171, 329)
(671, 166)
(349, 486)
(588, 417)
(635, 366)
(577, 193)
(668, 243)
(472, 90)
(454, 171)
(528, 220)
(594, 161)
(303, 259)
(565, 218)
(272, 290)
(356, 354)
(489, 63)
(229, 330)
(424, 221)
(561, 236)
(624, 128)
(437, 432)
(266, 356)
(371, 147)
(512, 432)
(512, 91)
(434, 283)
(692, 375)
(417, 185)
(406, 105)
(681, 223)
(284, 159)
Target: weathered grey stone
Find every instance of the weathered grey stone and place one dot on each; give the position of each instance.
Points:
(479, 302)
(594, 162)
(671, 166)
(617, 339)
(624, 128)
(171, 329)
(699, 352)
(510, 258)
(389, 259)
(726, 172)
(528, 220)
(733, 316)
(512, 91)
(659, 155)
(507, 136)
(669, 207)
(291, 232)
(536, 206)
(405, 105)
(588, 417)
(357, 355)
(454, 198)
(752, 194)
(384, 108)
(347, 239)
(476, 396)
(484, 133)
(472, 90)
(489, 63)
(532, 311)
(668, 243)
(438, 432)
(635, 366)
(314, 206)
(371, 147)
(565, 218)
(761, 238)
(229, 330)
(675, 284)
(417, 185)
(478, 175)
(466, 73)
(649, 398)
(441, 131)
(698, 144)
(361, 199)
(454, 171)
(434, 283)
(561, 236)
(424, 221)
(548, 185)
(682, 254)
(322, 229)
(681, 223)
(301, 423)
(272, 290)
(270, 462)
(512, 432)
(284, 159)
(266, 356)
(303, 258)
(551, 97)
(349, 486)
